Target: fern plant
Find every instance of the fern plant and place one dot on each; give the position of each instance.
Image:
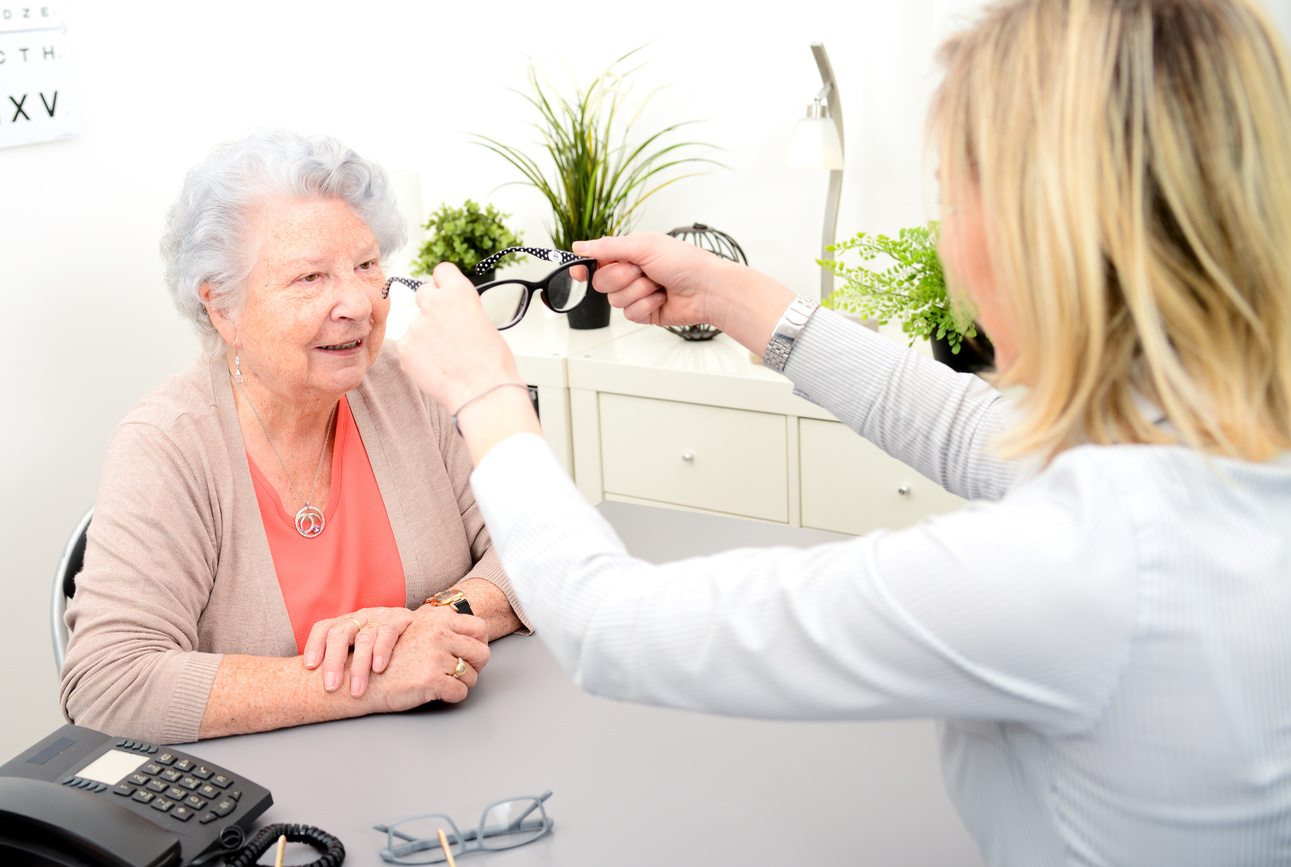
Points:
(912, 290)
(464, 236)
(597, 179)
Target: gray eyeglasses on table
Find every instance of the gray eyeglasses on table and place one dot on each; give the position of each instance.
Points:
(503, 825)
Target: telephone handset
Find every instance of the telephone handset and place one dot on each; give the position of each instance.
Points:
(80, 798)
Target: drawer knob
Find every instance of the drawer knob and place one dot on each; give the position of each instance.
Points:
(903, 490)
(687, 457)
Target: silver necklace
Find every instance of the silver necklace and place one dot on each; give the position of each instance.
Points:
(309, 520)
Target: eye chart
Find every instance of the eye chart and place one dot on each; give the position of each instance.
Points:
(36, 102)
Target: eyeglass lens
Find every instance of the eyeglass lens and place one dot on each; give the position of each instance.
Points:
(505, 825)
(505, 301)
(512, 823)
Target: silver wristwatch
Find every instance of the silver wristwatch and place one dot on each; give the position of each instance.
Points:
(786, 332)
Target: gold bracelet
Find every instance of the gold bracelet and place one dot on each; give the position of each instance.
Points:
(482, 394)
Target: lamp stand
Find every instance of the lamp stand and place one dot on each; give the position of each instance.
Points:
(835, 176)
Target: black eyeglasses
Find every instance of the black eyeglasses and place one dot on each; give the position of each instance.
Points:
(506, 301)
(504, 825)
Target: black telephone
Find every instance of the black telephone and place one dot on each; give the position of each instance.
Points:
(81, 798)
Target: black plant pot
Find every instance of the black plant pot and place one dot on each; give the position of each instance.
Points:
(976, 354)
(592, 312)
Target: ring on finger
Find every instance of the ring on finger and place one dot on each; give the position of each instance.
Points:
(460, 669)
(355, 622)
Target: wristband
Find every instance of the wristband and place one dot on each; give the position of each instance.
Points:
(786, 333)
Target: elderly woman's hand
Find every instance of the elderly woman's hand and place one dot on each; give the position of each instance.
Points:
(372, 632)
(423, 664)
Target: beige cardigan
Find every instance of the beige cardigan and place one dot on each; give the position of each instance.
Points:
(177, 565)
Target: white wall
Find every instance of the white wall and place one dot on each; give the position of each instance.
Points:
(91, 327)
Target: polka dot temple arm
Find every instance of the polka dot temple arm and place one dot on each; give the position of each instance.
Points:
(558, 257)
(407, 281)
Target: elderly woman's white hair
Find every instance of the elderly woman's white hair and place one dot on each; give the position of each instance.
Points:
(206, 238)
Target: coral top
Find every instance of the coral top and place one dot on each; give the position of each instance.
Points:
(354, 563)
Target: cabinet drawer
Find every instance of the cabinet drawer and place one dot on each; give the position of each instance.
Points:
(702, 457)
(850, 485)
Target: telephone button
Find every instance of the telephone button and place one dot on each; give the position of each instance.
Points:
(195, 802)
(182, 813)
(166, 759)
(123, 789)
(171, 775)
(185, 765)
(222, 781)
(190, 782)
(224, 807)
(176, 793)
(202, 772)
(209, 791)
(138, 779)
(208, 818)
(151, 768)
(162, 804)
(142, 797)
(236, 794)
(156, 786)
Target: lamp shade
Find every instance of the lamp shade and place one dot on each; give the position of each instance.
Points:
(815, 145)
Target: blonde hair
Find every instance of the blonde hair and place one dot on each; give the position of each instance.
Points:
(1132, 160)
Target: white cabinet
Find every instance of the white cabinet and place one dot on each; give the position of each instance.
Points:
(849, 485)
(694, 455)
(698, 426)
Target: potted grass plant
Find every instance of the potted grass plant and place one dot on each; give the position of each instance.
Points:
(912, 290)
(464, 236)
(593, 168)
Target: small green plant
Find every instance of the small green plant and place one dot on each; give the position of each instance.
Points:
(599, 178)
(464, 236)
(912, 290)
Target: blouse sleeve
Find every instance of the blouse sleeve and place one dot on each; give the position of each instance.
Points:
(132, 664)
(980, 613)
(939, 422)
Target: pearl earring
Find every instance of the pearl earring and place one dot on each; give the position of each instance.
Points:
(237, 365)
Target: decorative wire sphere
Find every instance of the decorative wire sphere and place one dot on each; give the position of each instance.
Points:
(719, 244)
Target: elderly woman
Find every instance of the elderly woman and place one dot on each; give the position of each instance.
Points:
(1105, 631)
(291, 495)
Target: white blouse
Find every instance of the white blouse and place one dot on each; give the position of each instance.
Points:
(1108, 639)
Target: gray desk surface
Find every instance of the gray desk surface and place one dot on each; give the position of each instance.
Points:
(632, 784)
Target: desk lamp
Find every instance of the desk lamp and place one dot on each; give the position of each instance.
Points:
(817, 143)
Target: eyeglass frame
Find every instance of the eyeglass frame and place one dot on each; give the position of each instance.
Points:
(457, 837)
(562, 259)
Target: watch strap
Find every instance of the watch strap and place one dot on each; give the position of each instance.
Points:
(786, 333)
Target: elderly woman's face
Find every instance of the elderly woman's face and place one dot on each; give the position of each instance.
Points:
(312, 318)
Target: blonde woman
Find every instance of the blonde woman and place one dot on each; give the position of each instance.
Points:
(1105, 631)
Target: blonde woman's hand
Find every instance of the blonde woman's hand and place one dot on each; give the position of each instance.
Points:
(372, 632)
(451, 350)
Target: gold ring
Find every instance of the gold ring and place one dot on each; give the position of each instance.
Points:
(355, 622)
(460, 670)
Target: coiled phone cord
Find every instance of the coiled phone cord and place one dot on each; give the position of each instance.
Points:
(332, 848)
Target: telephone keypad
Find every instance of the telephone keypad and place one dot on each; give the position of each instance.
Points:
(178, 787)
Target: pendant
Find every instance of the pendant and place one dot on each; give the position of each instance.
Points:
(309, 521)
